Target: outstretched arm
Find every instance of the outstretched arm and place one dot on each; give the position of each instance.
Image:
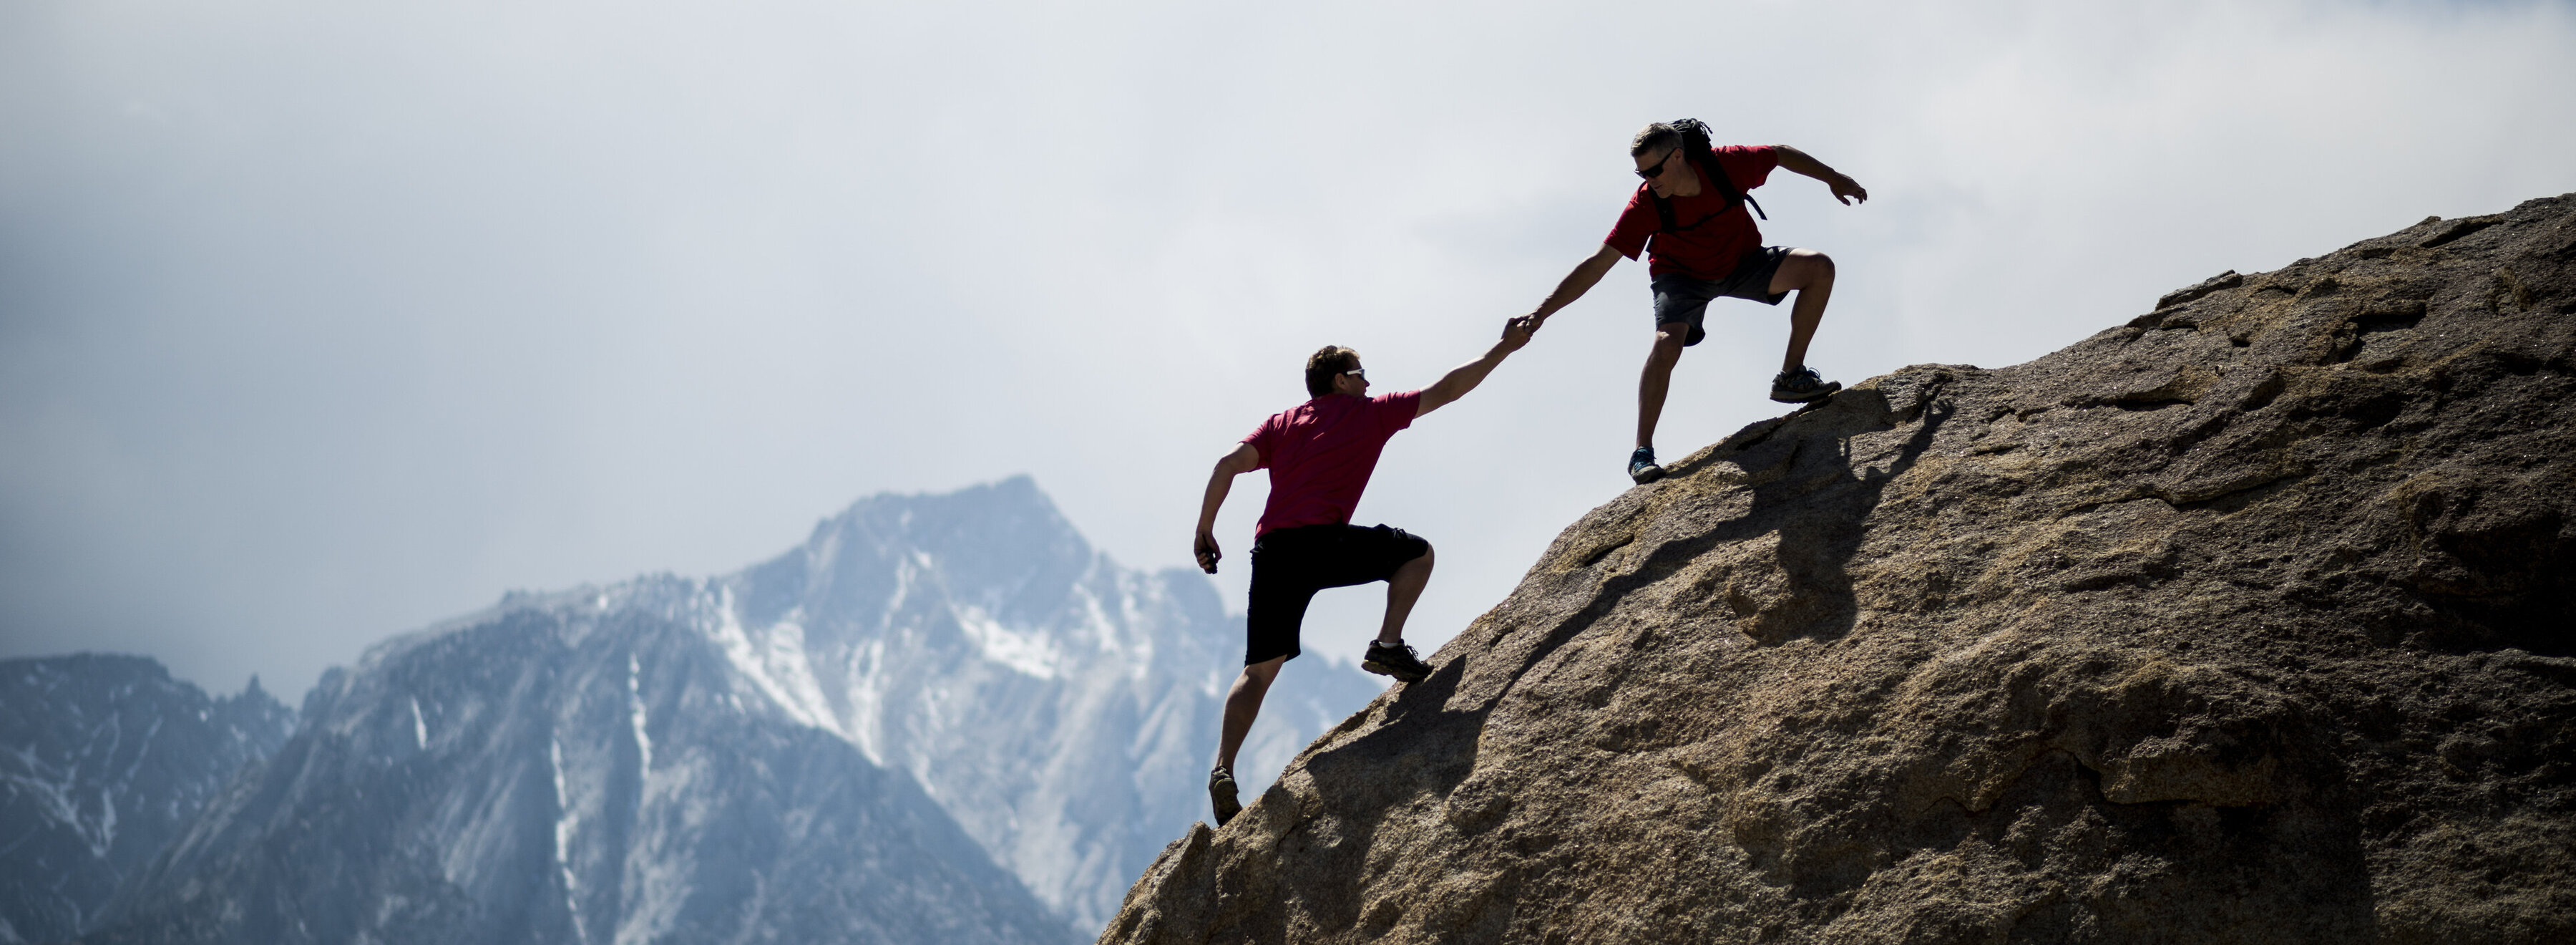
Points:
(1585, 275)
(1465, 377)
(1244, 459)
(1845, 189)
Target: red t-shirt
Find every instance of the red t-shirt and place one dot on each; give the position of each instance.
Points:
(1321, 452)
(1711, 237)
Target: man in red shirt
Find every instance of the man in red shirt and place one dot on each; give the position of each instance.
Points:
(1706, 246)
(1320, 454)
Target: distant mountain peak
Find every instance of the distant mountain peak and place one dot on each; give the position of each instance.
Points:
(1052, 713)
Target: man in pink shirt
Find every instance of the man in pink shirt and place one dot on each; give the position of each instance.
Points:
(1320, 454)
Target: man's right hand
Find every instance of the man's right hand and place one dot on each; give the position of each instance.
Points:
(1205, 547)
(1846, 189)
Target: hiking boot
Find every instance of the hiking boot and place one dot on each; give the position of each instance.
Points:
(1641, 466)
(1396, 660)
(1802, 386)
(1221, 793)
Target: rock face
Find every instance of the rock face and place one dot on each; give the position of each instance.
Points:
(103, 761)
(2251, 620)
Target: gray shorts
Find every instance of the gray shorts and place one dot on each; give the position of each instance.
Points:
(1680, 298)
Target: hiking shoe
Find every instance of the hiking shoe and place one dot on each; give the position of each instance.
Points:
(1802, 386)
(1397, 661)
(1641, 466)
(1221, 793)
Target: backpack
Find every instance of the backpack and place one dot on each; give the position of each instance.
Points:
(1697, 152)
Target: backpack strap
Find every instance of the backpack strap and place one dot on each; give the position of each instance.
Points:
(1717, 172)
(1725, 185)
(1664, 212)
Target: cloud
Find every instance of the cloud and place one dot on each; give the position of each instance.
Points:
(320, 322)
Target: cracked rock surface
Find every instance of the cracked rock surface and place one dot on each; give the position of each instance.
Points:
(2251, 620)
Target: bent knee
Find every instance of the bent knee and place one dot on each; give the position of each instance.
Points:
(1817, 265)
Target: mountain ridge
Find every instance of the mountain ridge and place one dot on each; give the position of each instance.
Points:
(107, 758)
(940, 716)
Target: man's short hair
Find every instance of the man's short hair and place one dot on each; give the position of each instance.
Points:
(1325, 364)
(1663, 135)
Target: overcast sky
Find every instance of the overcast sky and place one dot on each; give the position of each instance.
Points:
(322, 321)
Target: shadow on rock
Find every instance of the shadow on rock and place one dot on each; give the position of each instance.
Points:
(1811, 500)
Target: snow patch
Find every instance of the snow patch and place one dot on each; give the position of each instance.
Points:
(419, 728)
(565, 823)
(1027, 652)
(907, 570)
(56, 797)
(867, 697)
(634, 711)
(1103, 631)
(106, 822)
(773, 660)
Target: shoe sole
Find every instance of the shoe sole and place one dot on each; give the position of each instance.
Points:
(1385, 670)
(1225, 803)
(1821, 393)
(1649, 474)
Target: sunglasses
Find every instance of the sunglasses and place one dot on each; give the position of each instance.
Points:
(1658, 170)
(1361, 373)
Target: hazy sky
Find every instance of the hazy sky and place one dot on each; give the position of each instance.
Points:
(321, 321)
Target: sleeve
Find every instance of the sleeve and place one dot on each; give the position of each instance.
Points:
(1395, 411)
(1749, 166)
(1265, 439)
(1636, 223)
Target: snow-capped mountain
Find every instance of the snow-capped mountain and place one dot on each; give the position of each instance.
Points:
(575, 769)
(103, 760)
(942, 718)
(1062, 708)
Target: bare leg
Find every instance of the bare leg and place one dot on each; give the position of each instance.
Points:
(1243, 704)
(1812, 274)
(1658, 376)
(1402, 590)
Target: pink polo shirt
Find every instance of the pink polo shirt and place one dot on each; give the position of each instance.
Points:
(1321, 453)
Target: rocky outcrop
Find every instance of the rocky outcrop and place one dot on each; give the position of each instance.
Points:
(2249, 620)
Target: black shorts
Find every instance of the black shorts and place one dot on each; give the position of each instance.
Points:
(1680, 298)
(1290, 564)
